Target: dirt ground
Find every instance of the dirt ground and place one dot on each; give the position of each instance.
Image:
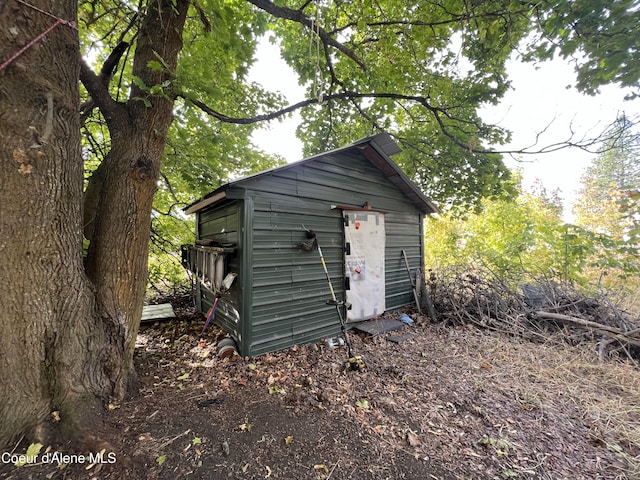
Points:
(447, 403)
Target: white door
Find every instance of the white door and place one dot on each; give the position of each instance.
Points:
(364, 263)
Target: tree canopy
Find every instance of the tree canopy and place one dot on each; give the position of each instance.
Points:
(421, 72)
(611, 186)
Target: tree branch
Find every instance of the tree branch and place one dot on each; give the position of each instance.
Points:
(304, 103)
(305, 5)
(111, 63)
(98, 85)
(299, 17)
(439, 114)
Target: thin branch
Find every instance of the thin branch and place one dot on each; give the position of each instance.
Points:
(170, 188)
(304, 103)
(305, 5)
(454, 18)
(439, 114)
(298, 17)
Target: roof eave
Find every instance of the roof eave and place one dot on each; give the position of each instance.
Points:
(215, 197)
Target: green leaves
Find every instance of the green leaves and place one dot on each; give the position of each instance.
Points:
(277, 389)
(430, 67)
(30, 456)
(155, 65)
(602, 38)
(515, 239)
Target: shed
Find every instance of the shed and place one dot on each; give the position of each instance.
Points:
(271, 294)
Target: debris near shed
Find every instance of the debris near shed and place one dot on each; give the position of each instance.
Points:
(543, 311)
(152, 313)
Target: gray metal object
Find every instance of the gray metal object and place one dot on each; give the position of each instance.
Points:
(151, 313)
(412, 282)
(379, 325)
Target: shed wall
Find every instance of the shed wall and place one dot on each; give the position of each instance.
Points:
(289, 289)
(223, 225)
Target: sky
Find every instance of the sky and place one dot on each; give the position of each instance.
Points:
(539, 100)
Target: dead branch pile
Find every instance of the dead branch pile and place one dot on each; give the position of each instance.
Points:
(542, 311)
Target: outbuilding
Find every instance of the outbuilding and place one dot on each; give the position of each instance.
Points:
(253, 260)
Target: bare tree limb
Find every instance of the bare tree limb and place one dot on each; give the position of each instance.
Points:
(439, 114)
(614, 332)
(97, 85)
(305, 103)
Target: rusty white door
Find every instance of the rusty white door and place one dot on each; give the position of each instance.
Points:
(364, 263)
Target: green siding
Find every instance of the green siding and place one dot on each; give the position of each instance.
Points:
(404, 232)
(289, 287)
(290, 290)
(222, 224)
(284, 289)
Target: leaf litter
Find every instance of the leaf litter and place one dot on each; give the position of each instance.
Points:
(452, 402)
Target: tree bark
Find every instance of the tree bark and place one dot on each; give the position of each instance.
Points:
(123, 187)
(46, 304)
(68, 326)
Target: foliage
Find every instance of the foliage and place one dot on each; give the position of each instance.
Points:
(609, 210)
(420, 71)
(174, 72)
(196, 161)
(201, 152)
(526, 240)
(511, 238)
(610, 188)
(600, 36)
(429, 67)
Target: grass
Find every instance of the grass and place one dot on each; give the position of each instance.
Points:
(604, 396)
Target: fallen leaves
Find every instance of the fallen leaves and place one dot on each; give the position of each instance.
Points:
(321, 466)
(30, 456)
(501, 445)
(245, 427)
(412, 439)
(277, 389)
(434, 401)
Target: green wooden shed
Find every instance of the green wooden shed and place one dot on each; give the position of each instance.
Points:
(271, 293)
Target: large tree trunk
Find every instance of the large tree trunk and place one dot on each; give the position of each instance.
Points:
(46, 304)
(122, 189)
(66, 337)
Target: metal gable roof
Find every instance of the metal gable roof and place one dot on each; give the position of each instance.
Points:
(376, 149)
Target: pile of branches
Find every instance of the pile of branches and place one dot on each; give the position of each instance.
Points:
(544, 310)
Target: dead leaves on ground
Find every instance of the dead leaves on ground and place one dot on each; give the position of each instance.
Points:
(451, 392)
